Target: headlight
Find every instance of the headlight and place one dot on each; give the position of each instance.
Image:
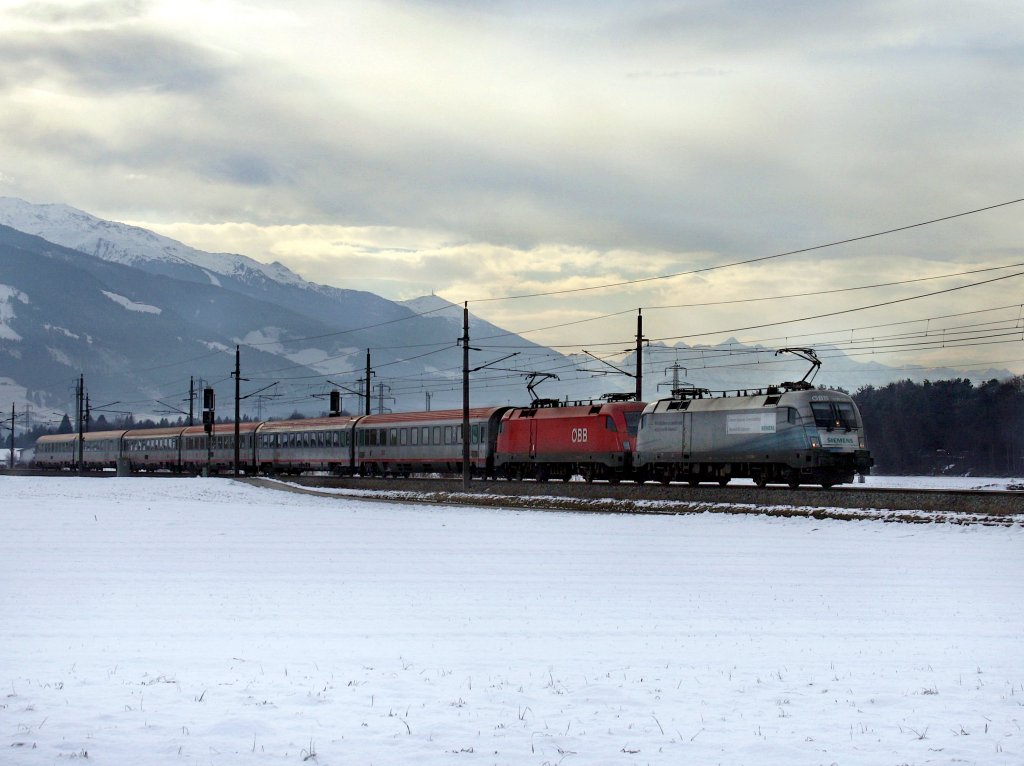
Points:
(815, 442)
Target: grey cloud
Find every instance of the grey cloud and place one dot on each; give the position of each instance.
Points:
(51, 13)
(105, 60)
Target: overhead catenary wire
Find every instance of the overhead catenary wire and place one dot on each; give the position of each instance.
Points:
(760, 259)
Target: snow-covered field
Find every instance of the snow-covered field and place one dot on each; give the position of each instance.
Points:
(203, 621)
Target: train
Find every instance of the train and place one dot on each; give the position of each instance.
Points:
(790, 434)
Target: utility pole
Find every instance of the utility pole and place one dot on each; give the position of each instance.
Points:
(369, 389)
(676, 367)
(79, 402)
(12, 436)
(191, 397)
(209, 420)
(380, 397)
(639, 355)
(466, 472)
(238, 399)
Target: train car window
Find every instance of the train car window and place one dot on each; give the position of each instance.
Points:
(393, 434)
(414, 437)
(403, 436)
(447, 434)
(609, 424)
(476, 434)
(436, 435)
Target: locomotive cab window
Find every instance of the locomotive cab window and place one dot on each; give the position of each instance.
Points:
(833, 415)
(609, 424)
(632, 422)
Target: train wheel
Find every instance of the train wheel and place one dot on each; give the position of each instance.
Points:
(693, 482)
(723, 481)
(794, 480)
(827, 484)
(761, 480)
(614, 479)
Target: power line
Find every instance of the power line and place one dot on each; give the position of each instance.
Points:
(796, 320)
(752, 260)
(751, 300)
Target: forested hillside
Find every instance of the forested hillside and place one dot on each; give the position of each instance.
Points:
(947, 426)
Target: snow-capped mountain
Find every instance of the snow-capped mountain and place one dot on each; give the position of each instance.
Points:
(130, 245)
(122, 305)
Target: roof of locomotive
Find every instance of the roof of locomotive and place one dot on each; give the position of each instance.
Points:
(758, 401)
(574, 410)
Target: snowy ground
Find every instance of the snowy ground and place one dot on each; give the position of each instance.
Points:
(204, 621)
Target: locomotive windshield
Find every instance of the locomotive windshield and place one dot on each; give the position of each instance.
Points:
(632, 422)
(832, 415)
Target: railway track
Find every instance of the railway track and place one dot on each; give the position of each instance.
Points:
(844, 502)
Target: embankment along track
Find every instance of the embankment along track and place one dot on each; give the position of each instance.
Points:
(852, 502)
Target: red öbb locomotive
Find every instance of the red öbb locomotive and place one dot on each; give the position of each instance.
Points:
(550, 440)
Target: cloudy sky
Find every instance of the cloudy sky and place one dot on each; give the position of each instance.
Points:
(486, 149)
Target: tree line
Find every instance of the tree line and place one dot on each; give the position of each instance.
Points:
(945, 427)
